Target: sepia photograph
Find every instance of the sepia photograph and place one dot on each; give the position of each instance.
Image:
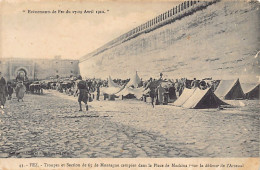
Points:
(129, 79)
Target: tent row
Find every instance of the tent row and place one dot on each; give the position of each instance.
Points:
(233, 90)
(130, 89)
(198, 99)
(190, 98)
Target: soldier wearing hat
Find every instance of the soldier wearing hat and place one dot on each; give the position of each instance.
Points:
(83, 91)
(3, 91)
(152, 85)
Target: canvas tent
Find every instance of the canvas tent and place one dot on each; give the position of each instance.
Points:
(186, 94)
(131, 89)
(134, 81)
(111, 83)
(112, 88)
(136, 92)
(229, 90)
(198, 99)
(251, 90)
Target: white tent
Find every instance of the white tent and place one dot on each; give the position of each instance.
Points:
(132, 88)
(229, 90)
(251, 90)
(198, 99)
(137, 92)
(112, 88)
(111, 83)
(134, 81)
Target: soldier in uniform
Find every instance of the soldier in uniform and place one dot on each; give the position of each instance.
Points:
(98, 91)
(195, 83)
(10, 90)
(152, 85)
(20, 90)
(83, 91)
(3, 91)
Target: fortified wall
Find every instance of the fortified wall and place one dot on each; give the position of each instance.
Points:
(38, 69)
(200, 39)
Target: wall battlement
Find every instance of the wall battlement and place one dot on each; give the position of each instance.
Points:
(207, 39)
(184, 9)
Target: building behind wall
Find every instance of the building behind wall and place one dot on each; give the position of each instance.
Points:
(38, 69)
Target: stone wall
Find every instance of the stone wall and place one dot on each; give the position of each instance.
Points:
(177, 12)
(210, 39)
(39, 68)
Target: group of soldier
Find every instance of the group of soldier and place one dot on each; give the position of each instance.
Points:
(7, 89)
(84, 88)
(174, 88)
(78, 87)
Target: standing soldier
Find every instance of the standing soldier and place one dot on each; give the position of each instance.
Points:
(3, 90)
(152, 85)
(10, 90)
(160, 93)
(195, 83)
(20, 90)
(83, 91)
(98, 91)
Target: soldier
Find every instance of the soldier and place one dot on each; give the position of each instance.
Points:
(152, 85)
(160, 93)
(3, 91)
(195, 83)
(10, 90)
(20, 90)
(98, 91)
(83, 91)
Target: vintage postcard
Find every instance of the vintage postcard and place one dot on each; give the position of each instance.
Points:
(118, 84)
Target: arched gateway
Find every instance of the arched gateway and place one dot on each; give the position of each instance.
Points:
(21, 73)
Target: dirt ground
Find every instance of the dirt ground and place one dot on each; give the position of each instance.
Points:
(50, 125)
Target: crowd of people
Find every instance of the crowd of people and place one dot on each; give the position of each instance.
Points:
(174, 88)
(8, 88)
(86, 89)
(153, 88)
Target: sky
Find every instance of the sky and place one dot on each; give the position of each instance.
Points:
(69, 35)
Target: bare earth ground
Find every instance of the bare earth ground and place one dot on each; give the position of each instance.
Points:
(50, 125)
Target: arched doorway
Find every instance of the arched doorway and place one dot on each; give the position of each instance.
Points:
(21, 74)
